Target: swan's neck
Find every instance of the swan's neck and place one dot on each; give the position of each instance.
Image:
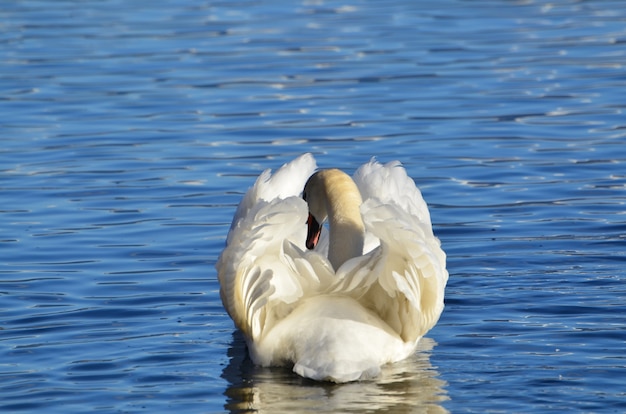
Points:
(347, 232)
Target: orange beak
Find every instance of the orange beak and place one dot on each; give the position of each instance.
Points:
(313, 232)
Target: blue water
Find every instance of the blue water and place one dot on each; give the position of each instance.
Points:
(130, 130)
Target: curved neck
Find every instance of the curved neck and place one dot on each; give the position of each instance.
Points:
(347, 232)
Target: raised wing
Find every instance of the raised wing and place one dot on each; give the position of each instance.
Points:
(390, 184)
(263, 269)
(403, 279)
(287, 181)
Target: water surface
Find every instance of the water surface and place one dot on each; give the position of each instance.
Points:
(130, 130)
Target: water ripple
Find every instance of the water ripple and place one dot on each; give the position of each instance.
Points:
(131, 131)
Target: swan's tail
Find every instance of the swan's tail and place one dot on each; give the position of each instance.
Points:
(333, 338)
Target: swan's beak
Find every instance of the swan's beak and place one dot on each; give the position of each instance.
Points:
(313, 233)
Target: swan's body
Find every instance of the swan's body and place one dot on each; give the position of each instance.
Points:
(338, 318)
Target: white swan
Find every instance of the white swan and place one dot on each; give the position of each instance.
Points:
(338, 318)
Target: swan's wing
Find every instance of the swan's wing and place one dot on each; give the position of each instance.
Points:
(390, 184)
(410, 268)
(264, 268)
(287, 181)
(403, 279)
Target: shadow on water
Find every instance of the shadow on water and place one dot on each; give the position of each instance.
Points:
(410, 386)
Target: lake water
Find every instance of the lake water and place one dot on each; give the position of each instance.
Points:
(130, 130)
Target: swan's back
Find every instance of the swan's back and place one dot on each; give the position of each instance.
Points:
(293, 308)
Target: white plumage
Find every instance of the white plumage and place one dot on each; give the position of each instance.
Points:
(295, 309)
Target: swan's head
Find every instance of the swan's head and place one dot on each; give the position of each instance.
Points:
(331, 194)
(314, 194)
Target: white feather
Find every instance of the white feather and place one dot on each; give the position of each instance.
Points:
(293, 308)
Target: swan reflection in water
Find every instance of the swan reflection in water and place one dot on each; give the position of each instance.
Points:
(409, 386)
